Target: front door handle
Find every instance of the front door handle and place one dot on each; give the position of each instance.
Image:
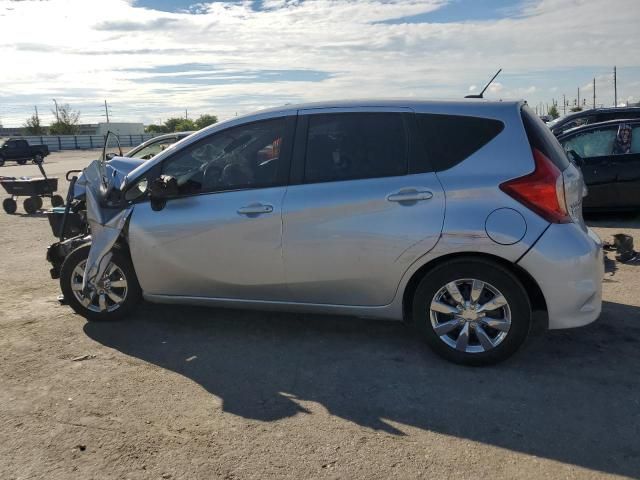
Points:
(255, 209)
(410, 195)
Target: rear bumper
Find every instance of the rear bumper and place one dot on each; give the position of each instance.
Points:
(567, 263)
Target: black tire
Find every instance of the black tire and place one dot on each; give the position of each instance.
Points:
(9, 205)
(490, 273)
(38, 202)
(1, 161)
(30, 205)
(121, 259)
(21, 161)
(38, 158)
(57, 201)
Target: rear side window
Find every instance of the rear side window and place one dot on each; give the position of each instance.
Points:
(349, 146)
(449, 139)
(540, 137)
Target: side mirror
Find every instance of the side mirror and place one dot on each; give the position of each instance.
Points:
(161, 189)
(109, 156)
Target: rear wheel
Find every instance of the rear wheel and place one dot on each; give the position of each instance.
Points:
(472, 311)
(31, 205)
(38, 202)
(116, 293)
(57, 201)
(22, 161)
(9, 205)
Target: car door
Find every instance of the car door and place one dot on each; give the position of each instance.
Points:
(221, 237)
(12, 151)
(355, 220)
(594, 147)
(22, 149)
(627, 167)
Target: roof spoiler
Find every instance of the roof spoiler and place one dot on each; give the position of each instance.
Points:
(480, 95)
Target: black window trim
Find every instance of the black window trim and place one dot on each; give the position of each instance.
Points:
(283, 173)
(299, 158)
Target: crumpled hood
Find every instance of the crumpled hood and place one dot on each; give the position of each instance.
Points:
(124, 165)
(116, 169)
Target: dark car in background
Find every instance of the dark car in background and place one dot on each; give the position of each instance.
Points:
(588, 117)
(152, 147)
(20, 151)
(609, 155)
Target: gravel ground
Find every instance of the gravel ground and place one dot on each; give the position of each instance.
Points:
(182, 393)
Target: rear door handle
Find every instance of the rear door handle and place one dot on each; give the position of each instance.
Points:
(255, 209)
(410, 195)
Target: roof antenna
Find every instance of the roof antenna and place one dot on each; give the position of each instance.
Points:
(479, 95)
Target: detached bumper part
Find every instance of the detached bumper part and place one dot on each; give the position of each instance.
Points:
(57, 252)
(568, 265)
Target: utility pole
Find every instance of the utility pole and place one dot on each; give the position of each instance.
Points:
(57, 116)
(36, 108)
(578, 96)
(615, 88)
(564, 104)
(594, 92)
(186, 114)
(106, 110)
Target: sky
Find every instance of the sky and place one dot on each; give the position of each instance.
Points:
(154, 59)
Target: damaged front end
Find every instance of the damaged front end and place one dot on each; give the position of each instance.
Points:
(106, 215)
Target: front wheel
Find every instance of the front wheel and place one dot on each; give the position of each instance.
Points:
(9, 205)
(38, 158)
(472, 311)
(115, 295)
(22, 161)
(1, 161)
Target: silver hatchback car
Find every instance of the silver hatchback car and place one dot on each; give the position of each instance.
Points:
(459, 217)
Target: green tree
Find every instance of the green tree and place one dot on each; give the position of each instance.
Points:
(185, 125)
(67, 121)
(553, 111)
(205, 120)
(32, 126)
(156, 129)
(171, 124)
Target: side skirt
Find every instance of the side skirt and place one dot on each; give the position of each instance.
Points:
(386, 312)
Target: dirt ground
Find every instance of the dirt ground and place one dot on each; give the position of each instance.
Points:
(186, 393)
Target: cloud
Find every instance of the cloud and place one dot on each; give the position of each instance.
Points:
(127, 26)
(235, 56)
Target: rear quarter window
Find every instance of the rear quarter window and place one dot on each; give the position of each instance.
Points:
(542, 138)
(449, 139)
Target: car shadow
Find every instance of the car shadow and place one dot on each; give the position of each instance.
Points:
(612, 219)
(571, 396)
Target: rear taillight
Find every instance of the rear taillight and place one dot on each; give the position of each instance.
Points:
(542, 191)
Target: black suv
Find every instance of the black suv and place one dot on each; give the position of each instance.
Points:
(595, 115)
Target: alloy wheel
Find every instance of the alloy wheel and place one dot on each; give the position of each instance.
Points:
(110, 292)
(470, 315)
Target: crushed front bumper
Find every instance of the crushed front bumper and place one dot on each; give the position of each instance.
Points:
(57, 252)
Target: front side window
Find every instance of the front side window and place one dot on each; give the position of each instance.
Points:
(241, 157)
(348, 146)
(635, 140)
(595, 143)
